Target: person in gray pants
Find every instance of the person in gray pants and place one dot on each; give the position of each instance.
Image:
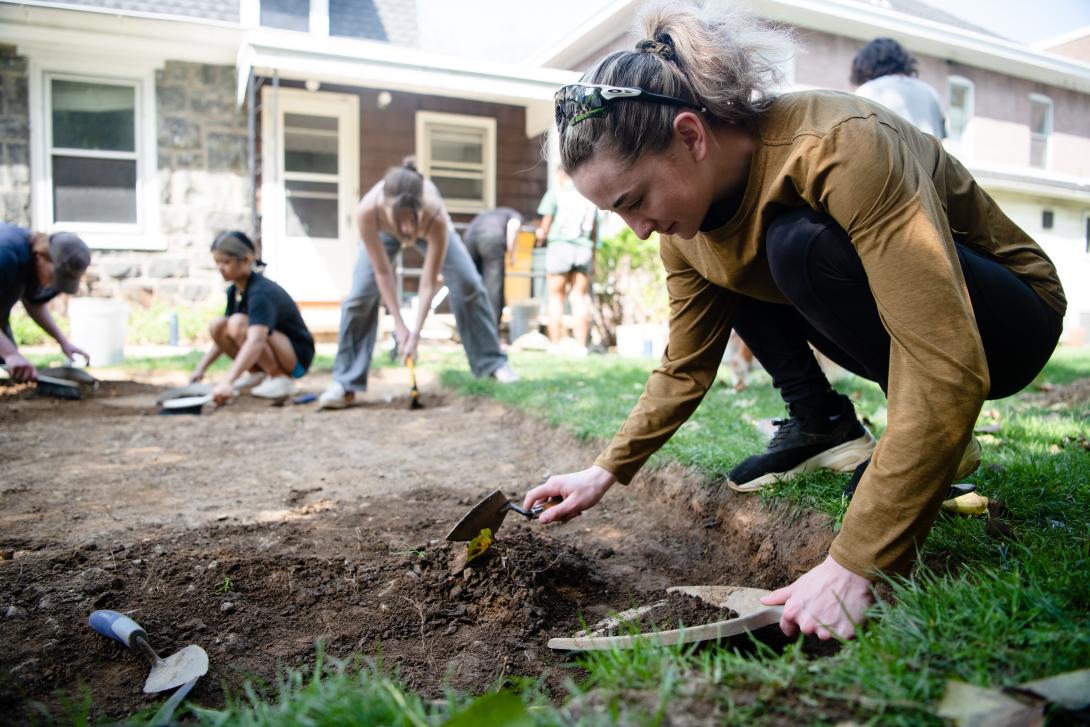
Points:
(405, 210)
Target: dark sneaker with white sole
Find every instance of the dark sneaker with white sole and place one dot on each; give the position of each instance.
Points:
(969, 462)
(841, 445)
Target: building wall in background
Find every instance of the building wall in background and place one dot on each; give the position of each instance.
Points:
(204, 188)
(14, 139)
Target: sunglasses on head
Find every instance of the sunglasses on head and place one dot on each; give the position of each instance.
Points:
(581, 101)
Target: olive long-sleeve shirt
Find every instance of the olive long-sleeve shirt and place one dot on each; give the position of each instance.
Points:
(903, 201)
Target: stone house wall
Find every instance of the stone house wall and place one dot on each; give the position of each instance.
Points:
(14, 139)
(204, 188)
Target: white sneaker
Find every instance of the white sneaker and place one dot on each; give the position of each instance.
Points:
(505, 374)
(335, 397)
(276, 387)
(248, 380)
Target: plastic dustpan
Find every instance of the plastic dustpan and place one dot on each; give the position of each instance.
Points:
(746, 602)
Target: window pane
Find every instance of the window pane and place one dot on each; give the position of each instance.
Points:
(459, 187)
(466, 147)
(310, 144)
(355, 19)
(286, 14)
(93, 116)
(958, 115)
(94, 190)
(311, 209)
(1038, 117)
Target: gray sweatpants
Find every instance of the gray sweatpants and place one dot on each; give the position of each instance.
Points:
(468, 299)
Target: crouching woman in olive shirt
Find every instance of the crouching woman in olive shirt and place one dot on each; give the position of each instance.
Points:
(808, 218)
(261, 328)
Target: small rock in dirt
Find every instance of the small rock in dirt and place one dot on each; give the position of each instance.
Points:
(138, 561)
(604, 553)
(452, 629)
(227, 607)
(89, 546)
(467, 574)
(7, 553)
(471, 610)
(213, 565)
(712, 523)
(46, 604)
(14, 612)
(458, 561)
(455, 592)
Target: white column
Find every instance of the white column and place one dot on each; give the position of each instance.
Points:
(319, 17)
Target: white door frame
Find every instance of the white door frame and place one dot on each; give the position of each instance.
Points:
(278, 250)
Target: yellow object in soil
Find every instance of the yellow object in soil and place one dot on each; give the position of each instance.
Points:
(479, 545)
(971, 503)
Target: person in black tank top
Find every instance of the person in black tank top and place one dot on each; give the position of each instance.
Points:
(261, 328)
(405, 210)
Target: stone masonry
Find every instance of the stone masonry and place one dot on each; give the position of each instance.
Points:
(204, 188)
(14, 139)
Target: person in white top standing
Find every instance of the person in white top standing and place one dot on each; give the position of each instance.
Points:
(885, 72)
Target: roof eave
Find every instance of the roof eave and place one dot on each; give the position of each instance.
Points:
(373, 64)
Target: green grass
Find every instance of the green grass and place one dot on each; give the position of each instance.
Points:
(998, 613)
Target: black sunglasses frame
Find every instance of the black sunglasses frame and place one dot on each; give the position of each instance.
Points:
(593, 99)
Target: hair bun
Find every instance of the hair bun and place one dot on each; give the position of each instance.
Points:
(409, 162)
(662, 46)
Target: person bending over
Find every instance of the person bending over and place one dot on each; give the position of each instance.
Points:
(405, 210)
(810, 217)
(35, 268)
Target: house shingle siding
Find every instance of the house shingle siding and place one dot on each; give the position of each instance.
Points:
(356, 19)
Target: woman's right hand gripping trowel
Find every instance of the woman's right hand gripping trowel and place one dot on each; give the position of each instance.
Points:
(181, 669)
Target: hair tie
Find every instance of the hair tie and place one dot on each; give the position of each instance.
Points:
(662, 47)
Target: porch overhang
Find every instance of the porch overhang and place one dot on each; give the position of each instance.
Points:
(371, 64)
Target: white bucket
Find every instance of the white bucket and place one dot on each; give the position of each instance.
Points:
(97, 325)
(524, 318)
(641, 340)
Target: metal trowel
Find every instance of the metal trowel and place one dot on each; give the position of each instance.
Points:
(176, 670)
(490, 512)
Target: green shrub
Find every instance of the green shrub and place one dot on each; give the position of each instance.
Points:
(28, 333)
(629, 283)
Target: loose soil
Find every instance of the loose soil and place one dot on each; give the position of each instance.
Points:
(678, 610)
(259, 531)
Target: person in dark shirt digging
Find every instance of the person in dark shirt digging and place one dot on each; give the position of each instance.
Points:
(261, 329)
(35, 268)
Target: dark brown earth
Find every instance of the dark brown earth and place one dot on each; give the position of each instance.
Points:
(257, 532)
(678, 611)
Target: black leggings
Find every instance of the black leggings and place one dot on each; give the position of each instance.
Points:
(816, 267)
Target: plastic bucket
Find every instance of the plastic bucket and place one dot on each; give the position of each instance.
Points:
(524, 318)
(641, 340)
(97, 325)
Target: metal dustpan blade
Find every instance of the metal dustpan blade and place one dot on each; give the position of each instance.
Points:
(488, 513)
(177, 669)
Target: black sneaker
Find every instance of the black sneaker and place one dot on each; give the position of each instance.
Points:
(841, 447)
(970, 460)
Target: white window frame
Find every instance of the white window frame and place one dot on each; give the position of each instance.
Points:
(145, 234)
(425, 120)
(963, 146)
(1047, 136)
